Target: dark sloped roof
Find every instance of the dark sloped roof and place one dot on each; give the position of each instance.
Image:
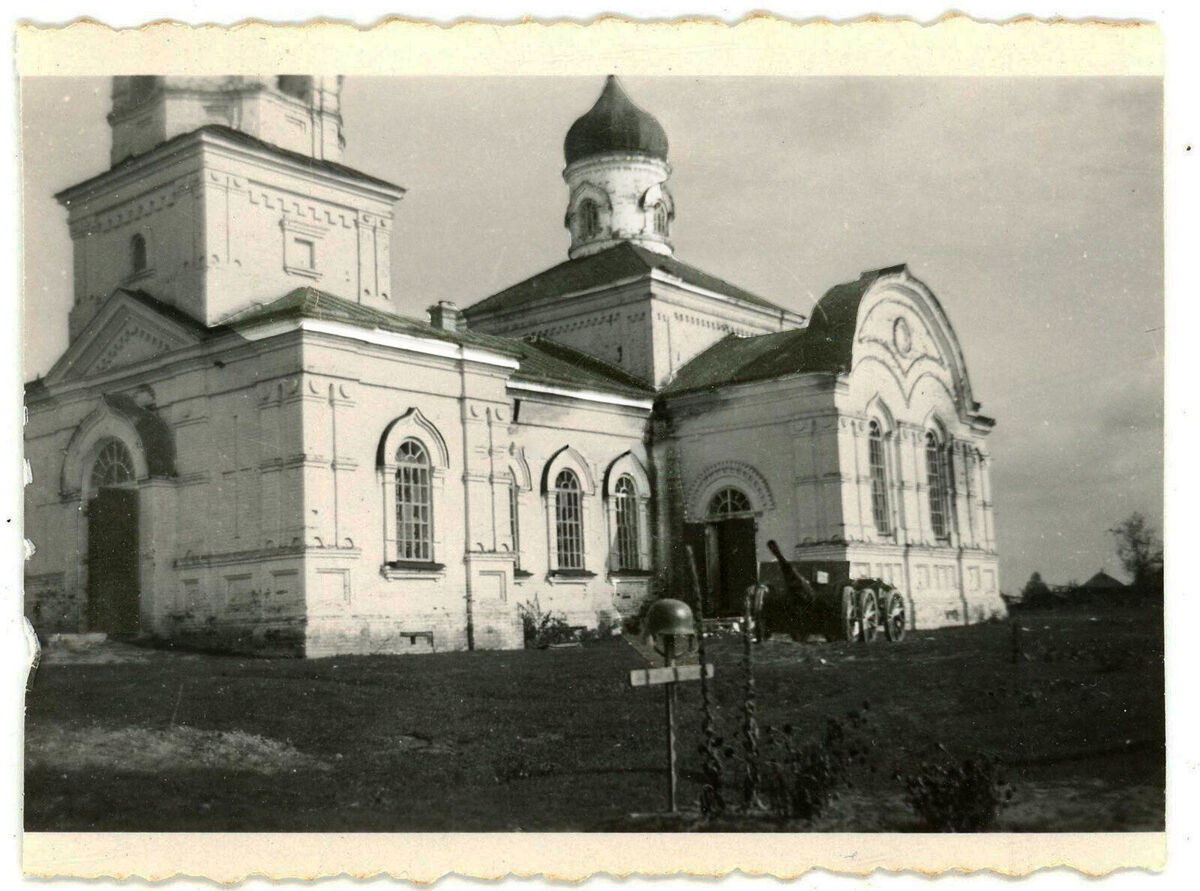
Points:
(244, 139)
(823, 346)
(621, 261)
(1102, 580)
(540, 360)
(738, 360)
(311, 303)
(615, 124)
(544, 361)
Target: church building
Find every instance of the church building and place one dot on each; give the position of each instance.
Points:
(245, 446)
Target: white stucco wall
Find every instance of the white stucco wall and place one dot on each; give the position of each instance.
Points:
(224, 224)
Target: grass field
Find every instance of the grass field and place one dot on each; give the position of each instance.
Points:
(128, 739)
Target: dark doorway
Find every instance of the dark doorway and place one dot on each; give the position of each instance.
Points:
(726, 560)
(113, 590)
(737, 563)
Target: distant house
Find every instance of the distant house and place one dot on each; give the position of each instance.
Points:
(1102, 583)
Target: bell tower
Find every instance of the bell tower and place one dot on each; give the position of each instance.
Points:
(301, 113)
(617, 174)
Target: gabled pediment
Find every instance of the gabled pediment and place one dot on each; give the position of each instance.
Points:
(128, 329)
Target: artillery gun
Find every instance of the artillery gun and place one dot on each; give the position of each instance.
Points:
(840, 608)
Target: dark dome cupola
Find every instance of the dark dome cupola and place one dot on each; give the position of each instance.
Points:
(615, 125)
(617, 172)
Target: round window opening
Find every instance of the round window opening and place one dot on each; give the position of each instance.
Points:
(902, 336)
(113, 466)
(729, 502)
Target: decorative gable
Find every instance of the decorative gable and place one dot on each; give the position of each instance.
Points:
(902, 328)
(128, 330)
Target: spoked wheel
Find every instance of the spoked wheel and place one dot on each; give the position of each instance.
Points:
(869, 611)
(895, 619)
(850, 624)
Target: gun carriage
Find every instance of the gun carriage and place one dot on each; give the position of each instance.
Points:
(840, 608)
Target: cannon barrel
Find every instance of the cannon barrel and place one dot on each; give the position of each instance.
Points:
(797, 584)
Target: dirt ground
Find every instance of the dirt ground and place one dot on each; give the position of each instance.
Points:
(124, 738)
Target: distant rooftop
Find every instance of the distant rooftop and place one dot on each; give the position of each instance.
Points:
(622, 261)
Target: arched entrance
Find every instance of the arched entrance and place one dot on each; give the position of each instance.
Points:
(725, 544)
(112, 540)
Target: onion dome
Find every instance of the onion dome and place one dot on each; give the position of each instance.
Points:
(615, 124)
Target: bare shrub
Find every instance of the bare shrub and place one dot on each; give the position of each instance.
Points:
(957, 794)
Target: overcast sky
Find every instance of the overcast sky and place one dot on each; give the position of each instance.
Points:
(1032, 207)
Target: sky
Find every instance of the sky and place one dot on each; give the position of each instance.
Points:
(1031, 206)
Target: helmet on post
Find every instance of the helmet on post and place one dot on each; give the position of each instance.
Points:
(671, 625)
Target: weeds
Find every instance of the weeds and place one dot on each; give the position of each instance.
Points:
(801, 778)
(542, 627)
(957, 795)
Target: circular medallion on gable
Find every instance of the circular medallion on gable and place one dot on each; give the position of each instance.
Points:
(902, 336)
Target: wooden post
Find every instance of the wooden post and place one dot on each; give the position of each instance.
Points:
(669, 657)
(711, 800)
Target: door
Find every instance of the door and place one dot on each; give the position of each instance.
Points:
(737, 563)
(113, 591)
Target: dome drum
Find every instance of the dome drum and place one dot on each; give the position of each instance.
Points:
(617, 173)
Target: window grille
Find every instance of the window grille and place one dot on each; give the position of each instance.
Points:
(113, 466)
(589, 218)
(414, 503)
(514, 519)
(935, 468)
(625, 496)
(660, 219)
(728, 502)
(879, 484)
(568, 520)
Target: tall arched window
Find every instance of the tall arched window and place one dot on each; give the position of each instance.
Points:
(879, 483)
(589, 218)
(414, 503)
(568, 520)
(660, 219)
(935, 469)
(625, 508)
(137, 253)
(728, 502)
(113, 466)
(514, 518)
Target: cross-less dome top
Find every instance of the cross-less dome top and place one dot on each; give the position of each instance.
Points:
(615, 124)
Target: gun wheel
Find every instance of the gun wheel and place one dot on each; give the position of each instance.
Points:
(895, 617)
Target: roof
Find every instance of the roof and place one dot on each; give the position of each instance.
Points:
(244, 139)
(311, 303)
(1102, 580)
(622, 261)
(739, 360)
(824, 346)
(615, 124)
(544, 361)
(540, 361)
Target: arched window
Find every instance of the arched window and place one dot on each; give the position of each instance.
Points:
(137, 253)
(568, 520)
(625, 508)
(514, 518)
(589, 218)
(113, 466)
(935, 469)
(414, 503)
(728, 502)
(660, 219)
(879, 483)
